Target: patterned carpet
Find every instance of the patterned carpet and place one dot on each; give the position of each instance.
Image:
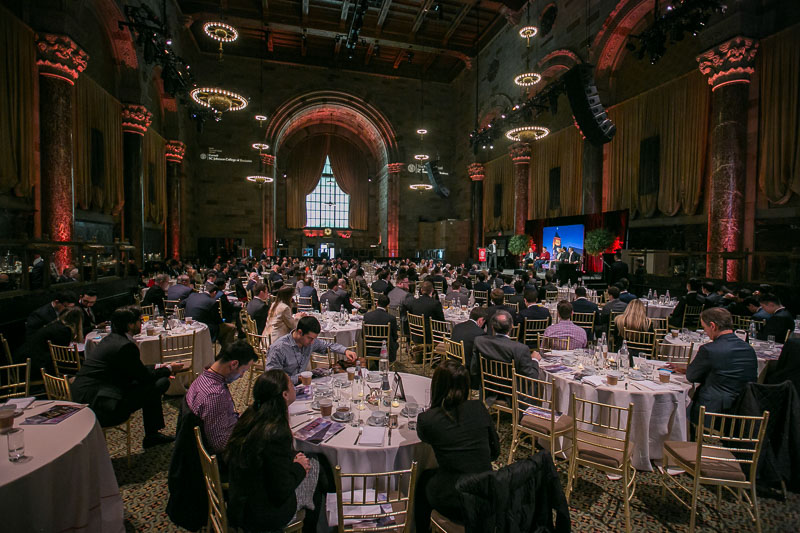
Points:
(596, 503)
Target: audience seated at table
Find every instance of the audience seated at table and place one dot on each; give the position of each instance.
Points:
(565, 328)
(710, 295)
(155, 295)
(86, 303)
(464, 441)
(721, 367)
(280, 320)
(269, 482)
(497, 299)
(63, 331)
(581, 304)
(466, 332)
(549, 285)
(181, 289)
(633, 319)
(210, 400)
(309, 291)
(780, 321)
(382, 285)
(45, 314)
(258, 308)
(501, 347)
(457, 294)
(292, 353)
(531, 310)
(380, 316)
(334, 297)
(203, 307)
(427, 306)
(115, 383)
(624, 295)
(691, 299)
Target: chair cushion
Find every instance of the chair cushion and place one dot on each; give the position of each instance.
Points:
(542, 425)
(445, 523)
(687, 452)
(598, 454)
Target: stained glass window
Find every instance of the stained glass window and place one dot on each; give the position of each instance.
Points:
(327, 206)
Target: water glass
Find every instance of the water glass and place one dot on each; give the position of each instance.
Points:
(411, 414)
(16, 445)
(771, 341)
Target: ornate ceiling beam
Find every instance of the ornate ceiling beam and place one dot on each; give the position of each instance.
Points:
(345, 11)
(456, 22)
(423, 10)
(370, 51)
(382, 15)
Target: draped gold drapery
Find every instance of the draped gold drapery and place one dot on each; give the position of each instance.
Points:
(17, 92)
(98, 110)
(351, 173)
(155, 177)
(678, 113)
(778, 67)
(303, 172)
(499, 171)
(561, 149)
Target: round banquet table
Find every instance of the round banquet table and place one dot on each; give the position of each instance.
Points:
(658, 415)
(344, 334)
(149, 350)
(405, 448)
(764, 354)
(455, 316)
(68, 485)
(656, 310)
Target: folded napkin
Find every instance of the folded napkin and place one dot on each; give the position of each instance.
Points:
(653, 386)
(594, 381)
(368, 509)
(20, 403)
(372, 436)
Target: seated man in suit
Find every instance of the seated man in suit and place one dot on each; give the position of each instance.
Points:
(692, 299)
(181, 289)
(624, 295)
(531, 310)
(115, 383)
(518, 296)
(581, 304)
(426, 306)
(332, 297)
(721, 367)
(500, 347)
(466, 332)
(257, 308)
(438, 278)
(380, 316)
(497, 297)
(780, 321)
(712, 297)
(457, 294)
(308, 291)
(86, 303)
(45, 314)
(382, 285)
(203, 307)
(481, 285)
(614, 304)
(548, 286)
(155, 295)
(737, 304)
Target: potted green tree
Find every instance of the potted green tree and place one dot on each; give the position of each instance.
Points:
(598, 240)
(519, 244)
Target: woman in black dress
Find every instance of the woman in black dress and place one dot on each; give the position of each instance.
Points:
(463, 437)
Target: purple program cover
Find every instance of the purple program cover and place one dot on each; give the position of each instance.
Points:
(54, 415)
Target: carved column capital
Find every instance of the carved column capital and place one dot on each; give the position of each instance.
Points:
(476, 171)
(135, 118)
(268, 160)
(394, 168)
(58, 56)
(729, 62)
(520, 153)
(175, 150)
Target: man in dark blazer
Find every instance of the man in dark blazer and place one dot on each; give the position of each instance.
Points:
(549, 285)
(86, 302)
(497, 297)
(257, 308)
(380, 316)
(692, 299)
(155, 295)
(309, 291)
(624, 295)
(45, 314)
(115, 383)
(500, 347)
(722, 367)
(581, 304)
(710, 294)
(181, 289)
(426, 306)
(614, 305)
(382, 285)
(203, 307)
(333, 297)
(780, 322)
(618, 268)
(466, 332)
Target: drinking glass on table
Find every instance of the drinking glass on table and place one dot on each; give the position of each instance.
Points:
(771, 341)
(411, 414)
(16, 446)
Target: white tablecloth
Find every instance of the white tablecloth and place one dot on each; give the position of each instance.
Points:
(345, 334)
(149, 350)
(68, 485)
(658, 416)
(406, 446)
(655, 310)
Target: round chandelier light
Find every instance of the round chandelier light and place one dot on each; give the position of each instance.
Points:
(259, 179)
(420, 186)
(421, 157)
(527, 133)
(528, 31)
(422, 131)
(219, 31)
(220, 100)
(260, 146)
(528, 79)
(261, 118)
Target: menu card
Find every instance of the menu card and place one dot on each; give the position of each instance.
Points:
(318, 431)
(54, 415)
(538, 412)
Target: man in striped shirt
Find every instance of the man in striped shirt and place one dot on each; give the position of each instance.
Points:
(565, 329)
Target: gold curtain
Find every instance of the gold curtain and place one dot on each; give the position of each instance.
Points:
(561, 149)
(778, 69)
(678, 113)
(17, 88)
(350, 169)
(499, 172)
(155, 177)
(303, 172)
(96, 109)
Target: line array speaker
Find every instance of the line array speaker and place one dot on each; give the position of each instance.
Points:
(587, 109)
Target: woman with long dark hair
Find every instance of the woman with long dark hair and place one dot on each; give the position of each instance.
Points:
(464, 440)
(269, 481)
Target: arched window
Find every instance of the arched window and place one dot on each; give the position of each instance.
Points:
(327, 206)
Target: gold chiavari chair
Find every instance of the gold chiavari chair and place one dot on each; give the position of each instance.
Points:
(482, 297)
(612, 328)
(170, 306)
(533, 330)
(57, 388)
(514, 306)
(455, 351)
(418, 348)
(323, 360)
(322, 285)
(440, 330)
(586, 321)
(180, 313)
(15, 380)
(66, 360)
(6, 351)
(260, 344)
(743, 322)
(497, 379)
(601, 439)
(514, 332)
(402, 336)
(725, 454)
(554, 343)
(543, 421)
(551, 296)
(217, 511)
(393, 490)
(124, 427)
(304, 303)
(691, 316)
(374, 335)
(438, 286)
(178, 349)
(660, 324)
(673, 353)
(641, 342)
(148, 310)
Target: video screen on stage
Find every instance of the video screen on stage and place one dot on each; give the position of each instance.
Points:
(566, 236)
(308, 252)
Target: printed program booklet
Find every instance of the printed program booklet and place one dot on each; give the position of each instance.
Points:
(54, 415)
(541, 413)
(319, 430)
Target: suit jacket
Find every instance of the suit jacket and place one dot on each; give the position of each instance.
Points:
(427, 307)
(203, 308)
(722, 368)
(334, 299)
(617, 306)
(543, 290)
(534, 312)
(627, 297)
(155, 296)
(466, 332)
(306, 291)
(89, 319)
(618, 270)
(381, 317)
(583, 305)
(381, 286)
(492, 309)
(39, 318)
(178, 292)
(779, 324)
(692, 299)
(439, 279)
(501, 348)
(258, 311)
(713, 299)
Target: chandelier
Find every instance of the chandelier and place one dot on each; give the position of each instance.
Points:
(420, 186)
(261, 180)
(528, 32)
(528, 79)
(260, 146)
(219, 31)
(527, 133)
(219, 100)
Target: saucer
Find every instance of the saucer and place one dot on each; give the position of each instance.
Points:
(347, 418)
(374, 377)
(375, 423)
(637, 377)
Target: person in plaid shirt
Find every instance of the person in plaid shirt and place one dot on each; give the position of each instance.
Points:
(209, 398)
(564, 328)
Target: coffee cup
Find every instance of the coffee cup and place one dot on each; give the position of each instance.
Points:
(342, 412)
(189, 320)
(325, 406)
(613, 378)
(151, 332)
(664, 376)
(305, 378)
(6, 419)
(674, 333)
(351, 374)
(379, 417)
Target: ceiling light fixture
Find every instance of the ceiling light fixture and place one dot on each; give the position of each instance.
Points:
(259, 179)
(527, 32)
(420, 186)
(528, 79)
(260, 146)
(219, 31)
(422, 157)
(220, 100)
(527, 133)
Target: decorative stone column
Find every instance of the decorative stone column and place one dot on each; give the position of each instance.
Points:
(268, 236)
(477, 173)
(521, 156)
(175, 151)
(60, 61)
(728, 67)
(592, 178)
(393, 210)
(135, 121)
